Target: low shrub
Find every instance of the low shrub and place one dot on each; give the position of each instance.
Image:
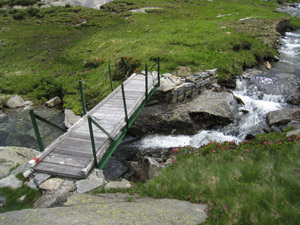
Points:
(32, 11)
(19, 15)
(92, 62)
(125, 67)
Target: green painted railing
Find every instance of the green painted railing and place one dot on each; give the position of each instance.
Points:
(33, 117)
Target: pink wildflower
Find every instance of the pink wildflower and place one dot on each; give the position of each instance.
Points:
(247, 150)
(213, 150)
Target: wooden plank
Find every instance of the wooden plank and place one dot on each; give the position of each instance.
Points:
(68, 147)
(56, 169)
(66, 152)
(80, 143)
(66, 160)
(81, 136)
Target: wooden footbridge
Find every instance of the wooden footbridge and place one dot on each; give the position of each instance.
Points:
(91, 141)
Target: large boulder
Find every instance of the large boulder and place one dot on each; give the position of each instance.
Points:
(283, 117)
(206, 111)
(284, 84)
(15, 102)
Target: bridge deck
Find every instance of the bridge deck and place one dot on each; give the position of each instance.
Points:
(71, 154)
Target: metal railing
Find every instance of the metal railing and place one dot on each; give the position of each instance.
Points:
(34, 117)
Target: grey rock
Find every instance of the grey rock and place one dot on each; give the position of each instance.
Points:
(166, 85)
(145, 169)
(39, 178)
(53, 102)
(13, 156)
(2, 201)
(56, 197)
(22, 198)
(295, 124)
(51, 184)
(282, 117)
(114, 169)
(3, 117)
(283, 84)
(11, 181)
(124, 184)
(84, 186)
(206, 111)
(293, 132)
(70, 118)
(15, 102)
(31, 184)
(112, 209)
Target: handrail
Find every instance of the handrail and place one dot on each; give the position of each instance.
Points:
(33, 117)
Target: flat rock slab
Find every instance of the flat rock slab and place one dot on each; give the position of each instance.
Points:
(111, 209)
(11, 181)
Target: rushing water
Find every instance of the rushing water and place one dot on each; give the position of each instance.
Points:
(256, 106)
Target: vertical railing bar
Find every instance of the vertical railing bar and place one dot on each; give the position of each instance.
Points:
(36, 130)
(92, 141)
(158, 71)
(82, 97)
(125, 107)
(110, 77)
(146, 82)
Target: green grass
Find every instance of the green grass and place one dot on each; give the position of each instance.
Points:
(254, 182)
(12, 196)
(43, 54)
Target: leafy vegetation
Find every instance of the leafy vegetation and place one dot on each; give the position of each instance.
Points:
(13, 201)
(53, 44)
(253, 182)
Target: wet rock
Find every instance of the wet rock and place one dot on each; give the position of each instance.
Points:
(3, 137)
(282, 117)
(2, 201)
(114, 169)
(145, 169)
(53, 102)
(11, 181)
(293, 132)
(39, 178)
(124, 184)
(51, 184)
(211, 109)
(249, 73)
(229, 83)
(70, 118)
(15, 102)
(281, 84)
(3, 117)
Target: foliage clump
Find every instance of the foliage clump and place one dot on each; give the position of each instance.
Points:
(93, 62)
(126, 67)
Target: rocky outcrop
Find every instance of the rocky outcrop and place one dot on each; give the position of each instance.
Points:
(206, 111)
(115, 208)
(283, 117)
(11, 157)
(284, 84)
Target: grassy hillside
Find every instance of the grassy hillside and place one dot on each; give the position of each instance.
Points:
(44, 52)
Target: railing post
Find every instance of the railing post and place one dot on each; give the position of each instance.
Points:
(82, 97)
(125, 107)
(36, 130)
(146, 82)
(92, 141)
(110, 77)
(158, 71)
